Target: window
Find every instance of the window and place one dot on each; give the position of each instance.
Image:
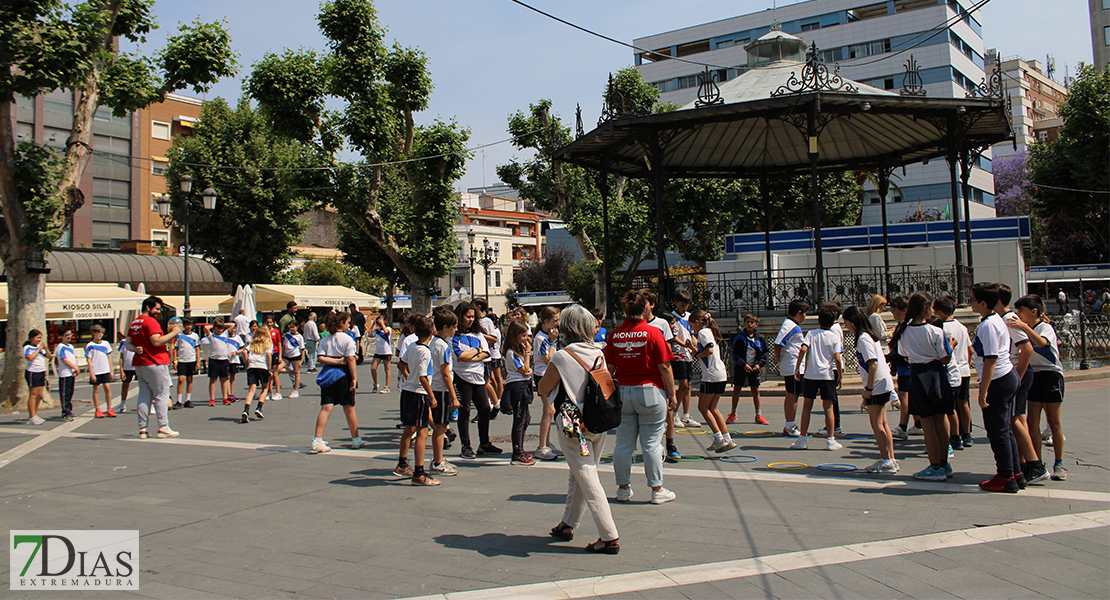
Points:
(810, 26)
(1042, 136)
(154, 201)
(833, 55)
(1105, 4)
(725, 44)
(1106, 35)
(159, 130)
(160, 238)
(495, 277)
(158, 167)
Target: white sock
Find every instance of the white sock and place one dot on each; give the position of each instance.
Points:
(728, 436)
(758, 412)
(831, 439)
(685, 416)
(789, 424)
(189, 397)
(717, 437)
(179, 397)
(318, 439)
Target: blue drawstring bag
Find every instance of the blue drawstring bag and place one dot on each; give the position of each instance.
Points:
(329, 375)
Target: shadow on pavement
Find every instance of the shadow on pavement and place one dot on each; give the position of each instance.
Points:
(499, 544)
(541, 498)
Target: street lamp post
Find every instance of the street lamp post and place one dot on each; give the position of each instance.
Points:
(473, 256)
(486, 257)
(184, 219)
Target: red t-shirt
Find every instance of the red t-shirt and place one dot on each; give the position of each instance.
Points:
(141, 330)
(636, 350)
(275, 337)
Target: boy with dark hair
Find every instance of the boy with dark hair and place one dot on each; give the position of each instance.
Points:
(682, 344)
(788, 343)
(185, 355)
(945, 307)
(1021, 353)
(417, 401)
(602, 335)
(443, 389)
(998, 383)
(819, 369)
(749, 354)
(100, 370)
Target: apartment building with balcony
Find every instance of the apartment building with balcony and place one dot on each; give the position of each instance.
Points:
(1035, 97)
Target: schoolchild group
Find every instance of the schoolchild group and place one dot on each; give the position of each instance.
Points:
(451, 363)
(1015, 354)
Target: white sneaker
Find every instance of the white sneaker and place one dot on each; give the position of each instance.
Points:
(832, 444)
(1049, 441)
(36, 420)
(295, 395)
(1046, 434)
(678, 422)
(915, 430)
(802, 443)
(625, 494)
(544, 453)
(384, 390)
(319, 447)
(689, 422)
(557, 451)
(662, 495)
(873, 467)
(715, 445)
(726, 446)
(899, 434)
(356, 443)
(889, 467)
(166, 432)
(445, 469)
(275, 397)
(792, 431)
(825, 433)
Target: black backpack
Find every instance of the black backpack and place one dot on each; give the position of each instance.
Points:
(601, 401)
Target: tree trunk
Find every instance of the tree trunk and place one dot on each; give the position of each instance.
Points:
(421, 296)
(26, 298)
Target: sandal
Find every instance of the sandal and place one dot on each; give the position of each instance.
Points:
(564, 531)
(424, 480)
(610, 547)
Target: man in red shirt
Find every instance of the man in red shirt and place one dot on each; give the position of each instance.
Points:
(152, 366)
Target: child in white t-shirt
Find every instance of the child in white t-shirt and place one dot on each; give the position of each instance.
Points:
(36, 355)
(959, 425)
(788, 344)
(819, 363)
(66, 364)
(100, 370)
(417, 402)
(713, 378)
(443, 389)
(925, 347)
(878, 385)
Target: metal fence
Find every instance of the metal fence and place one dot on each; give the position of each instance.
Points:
(1083, 336)
(732, 295)
(771, 369)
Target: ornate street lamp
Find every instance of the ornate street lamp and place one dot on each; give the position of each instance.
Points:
(184, 219)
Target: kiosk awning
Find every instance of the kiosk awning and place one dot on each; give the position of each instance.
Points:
(82, 301)
(268, 298)
(201, 306)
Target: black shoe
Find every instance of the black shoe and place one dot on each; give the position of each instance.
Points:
(956, 442)
(243, 419)
(467, 453)
(493, 414)
(613, 547)
(258, 414)
(188, 404)
(1021, 481)
(175, 406)
(451, 435)
(488, 449)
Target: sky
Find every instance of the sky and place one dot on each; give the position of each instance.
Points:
(491, 58)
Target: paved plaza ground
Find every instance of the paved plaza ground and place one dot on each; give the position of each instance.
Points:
(242, 511)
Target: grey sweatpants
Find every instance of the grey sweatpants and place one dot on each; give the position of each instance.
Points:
(154, 385)
(584, 489)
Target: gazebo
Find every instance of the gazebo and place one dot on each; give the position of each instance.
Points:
(789, 114)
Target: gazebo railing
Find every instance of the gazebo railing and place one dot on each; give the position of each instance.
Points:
(732, 295)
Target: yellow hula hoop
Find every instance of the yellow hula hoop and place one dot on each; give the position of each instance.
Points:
(787, 466)
(760, 433)
(690, 430)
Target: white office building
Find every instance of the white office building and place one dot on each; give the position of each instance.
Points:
(871, 41)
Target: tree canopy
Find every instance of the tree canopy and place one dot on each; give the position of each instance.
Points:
(1072, 174)
(256, 218)
(402, 194)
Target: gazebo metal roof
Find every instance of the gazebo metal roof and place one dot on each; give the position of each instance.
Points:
(788, 117)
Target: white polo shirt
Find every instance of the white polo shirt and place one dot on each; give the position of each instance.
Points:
(96, 353)
(419, 359)
(1048, 357)
(868, 351)
(441, 355)
(714, 367)
(992, 340)
(790, 340)
(956, 330)
(822, 346)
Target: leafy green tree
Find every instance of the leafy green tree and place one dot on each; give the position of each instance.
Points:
(362, 252)
(410, 217)
(1077, 228)
(48, 45)
(332, 272)
(256, 221)
(579, 283)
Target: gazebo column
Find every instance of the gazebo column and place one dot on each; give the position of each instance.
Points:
(965, 176)
(953, 158)
(766, 194)
(811, 131)
(603, 184)
(657, 180)
(884, 188)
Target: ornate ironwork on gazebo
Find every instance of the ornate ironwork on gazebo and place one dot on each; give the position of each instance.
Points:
(786, 116)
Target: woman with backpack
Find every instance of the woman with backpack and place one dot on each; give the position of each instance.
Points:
(581, 448)
(640, 359)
